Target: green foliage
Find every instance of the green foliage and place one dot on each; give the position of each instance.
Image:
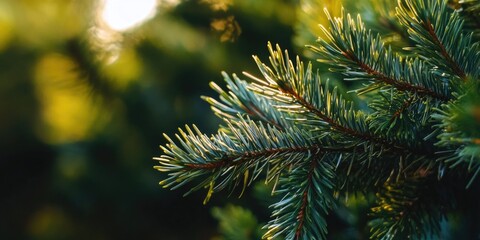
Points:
(460, 121)
(307, 197)
(236, 223)
(415, 137)
(439, 38)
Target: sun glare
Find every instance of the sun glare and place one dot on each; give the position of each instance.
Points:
(121, 15)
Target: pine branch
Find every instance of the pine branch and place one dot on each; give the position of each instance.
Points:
(439, 37)
(301, 92)
(360, 55)
(225, 158)
(241, 100)
(401, 113)
(398, 113)
(298, 91)
(307, 198)
(420, 126)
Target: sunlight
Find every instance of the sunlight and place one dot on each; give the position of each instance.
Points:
(121, 15)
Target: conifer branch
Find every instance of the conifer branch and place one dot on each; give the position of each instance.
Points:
(226, 157)
(239, 100)
(306, 200)
(454, 65)
(438, 32)
(360, 55)
(402, 109)
(242, 158)
(301, 86)
(402, 146)
(398, 84)
(332, 123)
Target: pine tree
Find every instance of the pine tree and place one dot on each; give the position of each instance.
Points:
(411, 139)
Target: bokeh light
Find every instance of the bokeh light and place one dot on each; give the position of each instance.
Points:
(121, 15)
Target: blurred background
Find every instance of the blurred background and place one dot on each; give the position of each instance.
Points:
(87, 88)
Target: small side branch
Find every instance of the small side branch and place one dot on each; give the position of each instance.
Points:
(452, 63)
(301, 213)
(239, 159)
(349, 131)
(398, 84)
(399, 111)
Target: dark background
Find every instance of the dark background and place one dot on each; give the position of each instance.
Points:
(82, 115)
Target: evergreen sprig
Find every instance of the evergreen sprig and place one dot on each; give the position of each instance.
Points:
(307, 196)
(438, 32)
(240, 100)
(300, 91)
(419, 124)
(358, 53)
(228, 157)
